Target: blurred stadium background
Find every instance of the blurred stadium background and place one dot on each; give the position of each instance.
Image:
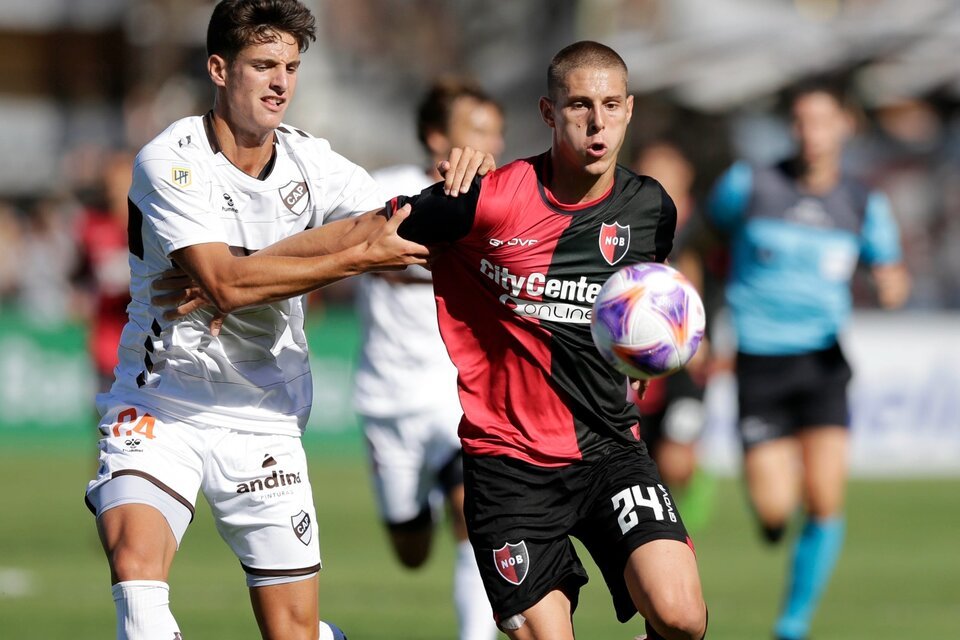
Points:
(84, 79)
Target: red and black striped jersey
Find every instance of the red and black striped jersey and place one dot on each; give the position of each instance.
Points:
(514, 296)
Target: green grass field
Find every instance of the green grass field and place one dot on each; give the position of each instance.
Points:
(898, 577)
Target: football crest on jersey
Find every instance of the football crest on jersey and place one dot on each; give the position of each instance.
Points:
(512, 562)
(295, 196)
(301, 526)
(614, 242)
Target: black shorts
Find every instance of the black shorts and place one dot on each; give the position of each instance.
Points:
(780, 395)
(520, 517)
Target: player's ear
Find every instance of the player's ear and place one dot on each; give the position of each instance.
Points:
(217, 68)
(629, 105)
(546, 111)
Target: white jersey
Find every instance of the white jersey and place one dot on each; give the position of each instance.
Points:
(404, 366)
(255, 376)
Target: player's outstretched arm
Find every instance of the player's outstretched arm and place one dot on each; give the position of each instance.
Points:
(230, 282)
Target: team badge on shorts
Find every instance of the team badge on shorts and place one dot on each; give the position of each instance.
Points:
(614, 242)
(301, 527)
(512, 561)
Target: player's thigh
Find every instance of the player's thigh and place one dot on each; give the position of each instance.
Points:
(548, 619)
(287, 611)
(144, 492)
(773, 472)
(630, 508)
(259, 491)
(664, 583)
(825, 450)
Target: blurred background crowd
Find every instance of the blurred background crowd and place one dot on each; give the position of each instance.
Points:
(87, 82)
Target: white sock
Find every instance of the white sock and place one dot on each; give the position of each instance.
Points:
(143, 611)
(470, 598)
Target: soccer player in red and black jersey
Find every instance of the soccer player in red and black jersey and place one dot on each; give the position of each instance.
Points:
(551, 443)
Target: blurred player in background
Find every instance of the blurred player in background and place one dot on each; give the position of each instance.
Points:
(797, 230)
(256, 213)
(406, 386)
(550, 442)
(672, 411)
(102, 237)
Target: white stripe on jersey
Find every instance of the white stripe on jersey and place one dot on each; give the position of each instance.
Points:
(255, 376)
(404, 366)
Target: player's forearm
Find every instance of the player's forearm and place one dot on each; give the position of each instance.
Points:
(329, 238)
(261, 279)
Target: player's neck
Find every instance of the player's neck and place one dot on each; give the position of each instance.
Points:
(820, 175)
(249, 153)
(572, 185)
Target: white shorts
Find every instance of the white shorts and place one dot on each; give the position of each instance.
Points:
(256, 484)
(413, 458)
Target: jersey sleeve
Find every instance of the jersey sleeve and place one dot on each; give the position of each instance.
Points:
(436, 217)
(173, 198)
(880, 237)
(348, 190)
(666, 226)
(728, 201)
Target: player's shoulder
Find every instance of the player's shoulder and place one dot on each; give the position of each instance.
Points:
(511, 177)
(175, 157)
(630, 184)
(183, 139)
(305, 145)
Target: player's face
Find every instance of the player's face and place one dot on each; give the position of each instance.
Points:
(259, 84)
(820, 125)
(589, 118)
(475, 124)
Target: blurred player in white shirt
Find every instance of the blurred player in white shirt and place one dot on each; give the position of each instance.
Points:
(406, 386)
(216, 403)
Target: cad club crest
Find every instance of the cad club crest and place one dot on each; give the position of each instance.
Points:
(614, 242)
(512, 561)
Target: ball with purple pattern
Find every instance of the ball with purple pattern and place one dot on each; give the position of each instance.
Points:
(648, 320)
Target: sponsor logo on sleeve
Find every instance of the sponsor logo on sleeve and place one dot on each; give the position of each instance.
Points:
(512, 562)
(614, 242)
(181, 177)
(295, 196)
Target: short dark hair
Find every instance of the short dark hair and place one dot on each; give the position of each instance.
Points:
(236, 24)
(585, 53)
(434, 111)
(835, 88)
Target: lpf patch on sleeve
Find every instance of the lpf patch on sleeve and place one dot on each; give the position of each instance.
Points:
(181, 177)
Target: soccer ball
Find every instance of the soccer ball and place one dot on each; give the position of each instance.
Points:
(647, 320)
(330, 631)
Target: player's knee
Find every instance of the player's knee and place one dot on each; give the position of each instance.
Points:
(136, 562)
(680, 614)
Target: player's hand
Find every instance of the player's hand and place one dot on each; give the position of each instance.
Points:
(639, 387)
(385, 250)
(183, 296)
(462, 167)
(893, 285)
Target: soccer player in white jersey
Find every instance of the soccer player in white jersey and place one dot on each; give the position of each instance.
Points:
(235, 199)
(406, 386)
